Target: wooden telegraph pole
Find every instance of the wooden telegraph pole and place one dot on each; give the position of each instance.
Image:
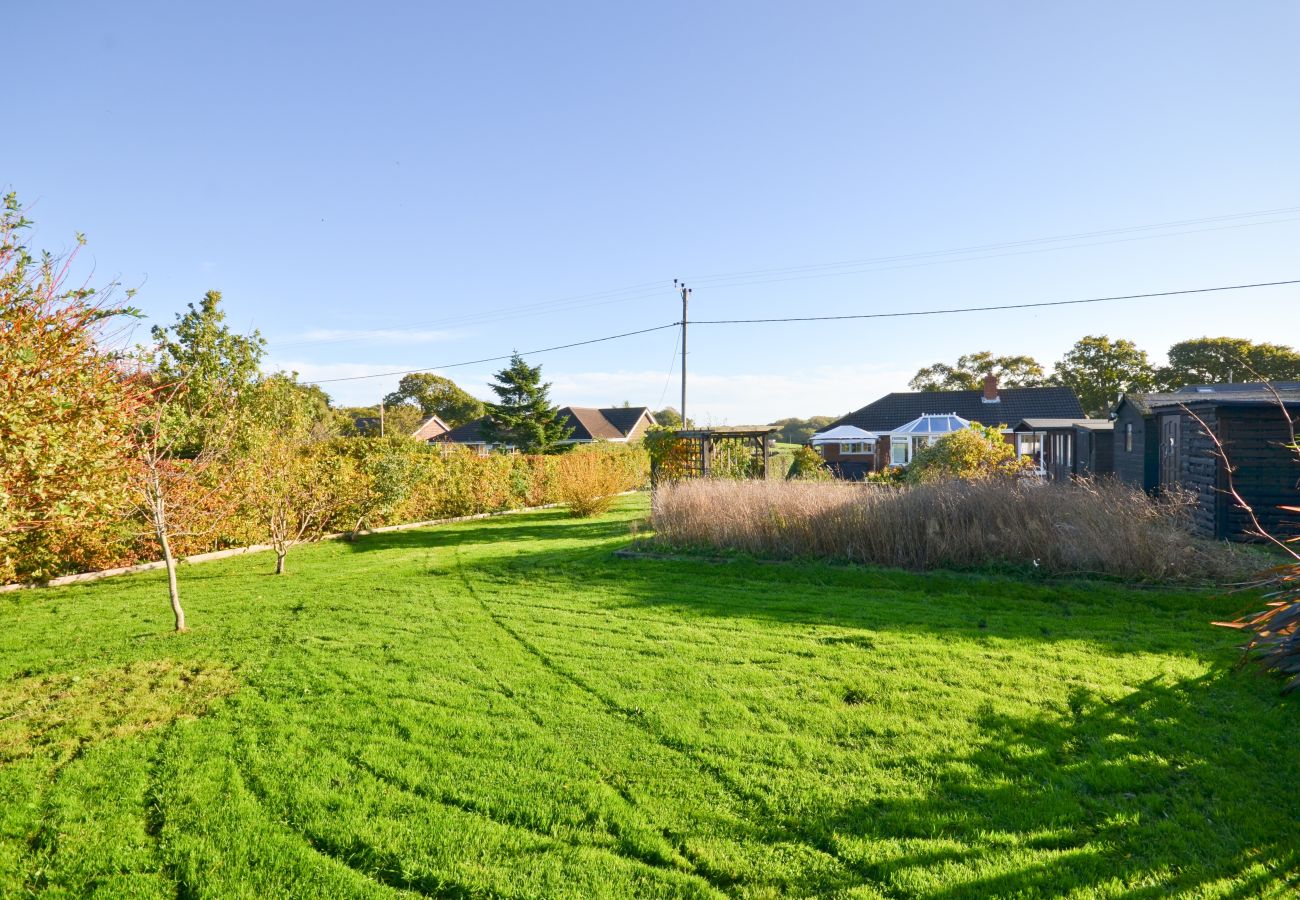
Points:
(686, 293)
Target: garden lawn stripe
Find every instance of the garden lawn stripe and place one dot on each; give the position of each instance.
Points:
(587, 725)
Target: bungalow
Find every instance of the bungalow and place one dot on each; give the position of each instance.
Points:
(890, 430)
(1163, 443)
(616, 424)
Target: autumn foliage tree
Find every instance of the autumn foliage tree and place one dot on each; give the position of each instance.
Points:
(288, 486)
(65, 409)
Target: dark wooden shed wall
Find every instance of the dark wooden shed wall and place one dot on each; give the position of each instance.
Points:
(1139, 466)
(1265, 473)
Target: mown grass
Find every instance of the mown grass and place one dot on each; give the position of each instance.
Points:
(504, 708)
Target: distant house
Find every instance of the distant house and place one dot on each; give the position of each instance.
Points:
(1160, 446)
(889, 431)
(431, 429)
(616, 424)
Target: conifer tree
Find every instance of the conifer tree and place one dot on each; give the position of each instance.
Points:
(523, 417)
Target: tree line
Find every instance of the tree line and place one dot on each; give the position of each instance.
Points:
(1098, 368)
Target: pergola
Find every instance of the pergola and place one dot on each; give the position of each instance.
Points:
(724, 450)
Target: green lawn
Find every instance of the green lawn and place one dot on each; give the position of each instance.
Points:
(504, 708)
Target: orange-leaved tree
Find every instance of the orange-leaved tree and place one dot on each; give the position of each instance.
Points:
(65, 407)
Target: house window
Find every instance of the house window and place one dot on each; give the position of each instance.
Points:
(900, 451)
(857, 447)
(1128, 437)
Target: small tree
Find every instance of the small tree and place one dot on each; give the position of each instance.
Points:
(523, 417)
(172, 485)
(202, 379)
(972, 454)
(219, 370)
(289, 488)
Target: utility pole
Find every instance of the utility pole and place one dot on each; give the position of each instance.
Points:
(686, 293)
(381, 418)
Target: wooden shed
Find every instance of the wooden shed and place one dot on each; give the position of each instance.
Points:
(1065, 448)
(1162, 444)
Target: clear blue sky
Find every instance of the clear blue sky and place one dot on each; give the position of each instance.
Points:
(340, 168)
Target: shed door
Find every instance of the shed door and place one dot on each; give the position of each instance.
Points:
(1169, 451)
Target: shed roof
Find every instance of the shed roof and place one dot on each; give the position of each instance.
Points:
(1215, 394)
(1050, 424)
(1012, 405)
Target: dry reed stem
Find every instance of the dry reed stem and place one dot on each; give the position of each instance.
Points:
(1100, 527)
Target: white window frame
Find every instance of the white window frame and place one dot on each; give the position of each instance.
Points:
(900, 443)
(1039, 442)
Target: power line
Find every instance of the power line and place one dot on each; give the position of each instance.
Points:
(582, 301)
(647, 289)
(966, 309)
(880, 315)
(471, 362)
(1000, 245)
(866, 268)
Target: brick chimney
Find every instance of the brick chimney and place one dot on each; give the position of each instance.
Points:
(991, 389)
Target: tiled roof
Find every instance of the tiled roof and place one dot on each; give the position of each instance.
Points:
(1013, 404)
(588, 424)
(469, 433)
(625, 418)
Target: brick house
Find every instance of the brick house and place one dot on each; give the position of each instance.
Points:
(895, 426)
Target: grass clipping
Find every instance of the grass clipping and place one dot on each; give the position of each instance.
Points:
(1086, 527)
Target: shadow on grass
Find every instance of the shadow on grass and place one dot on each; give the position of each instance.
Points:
(575, 554)
(548, 526)
(1164, 791)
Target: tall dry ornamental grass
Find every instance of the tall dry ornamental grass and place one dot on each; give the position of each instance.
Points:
(1088, 527)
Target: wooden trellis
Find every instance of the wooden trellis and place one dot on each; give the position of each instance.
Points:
(726, 451)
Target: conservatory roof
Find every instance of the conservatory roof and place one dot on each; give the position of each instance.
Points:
(843, 434)
(928, 423)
